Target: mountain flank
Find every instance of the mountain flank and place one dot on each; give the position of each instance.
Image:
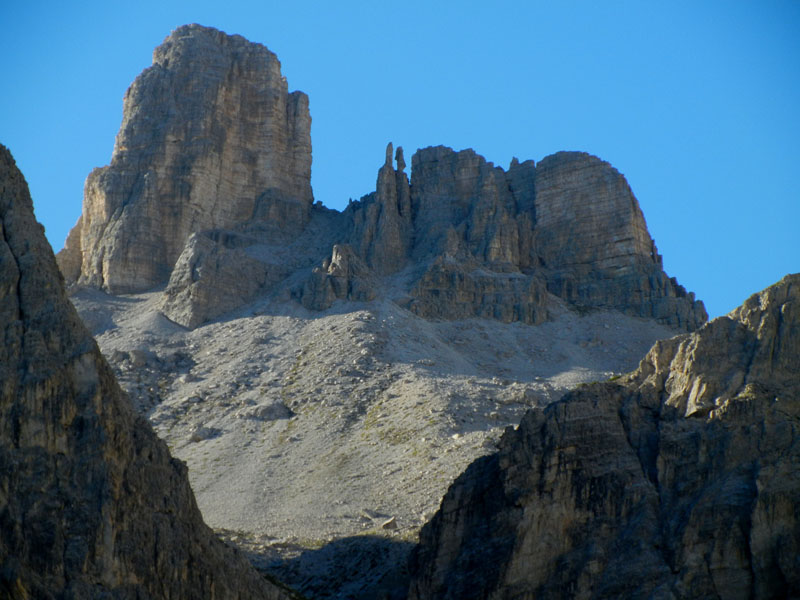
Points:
(327, 373)
(678, 480)
(91, 502)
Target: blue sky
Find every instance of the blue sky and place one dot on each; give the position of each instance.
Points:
(696, 103)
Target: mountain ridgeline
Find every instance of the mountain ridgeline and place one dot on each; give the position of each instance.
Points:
(209, 182)
(678, 480)
(326, 375)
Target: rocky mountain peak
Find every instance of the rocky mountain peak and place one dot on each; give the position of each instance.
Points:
(213, 148)
(91, 502)
(210, 138)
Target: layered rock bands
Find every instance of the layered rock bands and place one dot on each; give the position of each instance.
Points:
(679, 480)
(91, 503)
(212, 144)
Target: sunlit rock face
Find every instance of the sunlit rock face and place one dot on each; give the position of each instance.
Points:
(213, 147)
(679, 480)
(592, 242)
(91, 503)
(210, 138)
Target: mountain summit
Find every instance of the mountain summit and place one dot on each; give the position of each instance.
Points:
(326, 375)
(210, 138)
(209, 184)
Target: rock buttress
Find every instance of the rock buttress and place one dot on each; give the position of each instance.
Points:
(210, 138)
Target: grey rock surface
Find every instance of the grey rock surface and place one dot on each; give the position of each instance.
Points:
(214, 275)
(450, 289)
(593, 245)
(324, 424)
(382, 226)
(679, 480)
(343, 276)
(486, 242)
(210, 138)
(91, 502)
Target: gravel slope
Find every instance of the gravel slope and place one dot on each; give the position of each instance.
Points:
(321, 442)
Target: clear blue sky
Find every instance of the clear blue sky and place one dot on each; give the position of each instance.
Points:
(696, 103)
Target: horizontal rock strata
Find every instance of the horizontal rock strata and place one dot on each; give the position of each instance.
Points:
(677, 481)
(490, 242)
(91, 502)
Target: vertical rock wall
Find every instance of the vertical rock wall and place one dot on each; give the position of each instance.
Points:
(210, 138)
(491, 243)
(593, 245)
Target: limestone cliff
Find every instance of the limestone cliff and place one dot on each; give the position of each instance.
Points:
(210, 138)
(213, 145)
(491, 242)
(679, 480)
(91, 503)
(593, 245)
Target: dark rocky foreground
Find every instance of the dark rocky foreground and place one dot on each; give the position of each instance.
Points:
(680, 480)
(91, 503)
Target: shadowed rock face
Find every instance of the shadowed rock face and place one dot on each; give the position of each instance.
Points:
(678, 481)
(210, 138)
(91, 503)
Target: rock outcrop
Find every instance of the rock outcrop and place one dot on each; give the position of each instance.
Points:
(91, 503)
(343, 276)
(491, 242)
(214, 275)
(679, 480)
(382, 225)
(593, 245)
(210, 138)
(450, 289)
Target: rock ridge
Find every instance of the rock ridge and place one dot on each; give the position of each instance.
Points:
(678, 480)
(212, 145)
(91, 502)
(210, 138)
